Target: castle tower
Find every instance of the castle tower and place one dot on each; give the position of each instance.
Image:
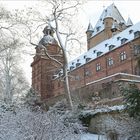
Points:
(43, 67)
(89, 33)
(109, 24)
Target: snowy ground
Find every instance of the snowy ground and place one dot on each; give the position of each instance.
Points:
(93, 137)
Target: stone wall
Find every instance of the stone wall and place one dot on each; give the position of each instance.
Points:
(107, 88)
(116, 125)
(104, 91)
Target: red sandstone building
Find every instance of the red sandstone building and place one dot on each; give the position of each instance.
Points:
(113, 52)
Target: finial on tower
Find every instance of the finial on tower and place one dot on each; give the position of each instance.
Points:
(48, 30)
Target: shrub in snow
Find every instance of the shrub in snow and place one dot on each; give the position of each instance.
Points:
(57, 123)
(132, 100)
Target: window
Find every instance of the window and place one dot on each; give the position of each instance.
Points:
(87, 73)
(130, 31)
(77, 77)
(87, 59)
(78, 64)
(136, 49)
(122, 56)
(111, 47)
(110, 61)
(98, 28)
(71, 67)
(137, 34)
(106, 45)
(123, 40)
(99, 53)
(85, 56)
(118, 38)
(98, 67)
(94, 51)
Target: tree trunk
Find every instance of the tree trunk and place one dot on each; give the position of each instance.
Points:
(67, 88)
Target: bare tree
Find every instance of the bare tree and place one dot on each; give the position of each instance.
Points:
(59, 20)
(12, 79)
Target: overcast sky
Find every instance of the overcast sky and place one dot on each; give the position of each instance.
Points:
(89, 12)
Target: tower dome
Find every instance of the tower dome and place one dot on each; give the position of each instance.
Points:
(48, 37)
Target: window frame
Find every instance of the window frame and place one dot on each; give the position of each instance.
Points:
(123, 56)
(136, 49)
(98, 67)
(110, 61)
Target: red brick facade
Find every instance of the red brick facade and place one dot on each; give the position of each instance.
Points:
(123, 59)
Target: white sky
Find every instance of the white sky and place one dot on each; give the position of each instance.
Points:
(89, 12)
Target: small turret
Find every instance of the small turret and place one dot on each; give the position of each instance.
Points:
(89, 31)
(129, 22)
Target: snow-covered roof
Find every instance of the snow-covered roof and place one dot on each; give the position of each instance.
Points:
(110, 11)
(103, 47)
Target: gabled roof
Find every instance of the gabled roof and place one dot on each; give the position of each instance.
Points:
(110, 11)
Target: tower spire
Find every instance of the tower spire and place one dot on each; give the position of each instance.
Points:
(129, 22)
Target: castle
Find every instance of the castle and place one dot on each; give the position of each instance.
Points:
(113, 55)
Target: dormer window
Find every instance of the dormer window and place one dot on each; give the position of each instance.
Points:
(130, 31)
(118, 38)
(78, 60)
(87, 59)
(123, 40)
(78, 64)
(72, 63)
(99, 53)
(106, 45)
(98, 28)
(71, 67)
(94, 51)
(137, 34)
(111, 47)
(84, 56)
